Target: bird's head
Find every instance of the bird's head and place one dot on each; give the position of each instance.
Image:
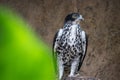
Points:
(75, 18)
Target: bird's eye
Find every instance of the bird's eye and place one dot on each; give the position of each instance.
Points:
(74, 16)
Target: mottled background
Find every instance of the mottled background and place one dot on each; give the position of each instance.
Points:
(102, 24)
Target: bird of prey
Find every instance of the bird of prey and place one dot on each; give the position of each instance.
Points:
(70, 44)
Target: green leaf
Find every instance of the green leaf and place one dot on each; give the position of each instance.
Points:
(23, 56)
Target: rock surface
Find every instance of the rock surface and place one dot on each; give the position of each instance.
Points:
(102, 24)
(81, 78)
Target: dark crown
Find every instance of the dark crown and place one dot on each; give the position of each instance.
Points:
(71, 17)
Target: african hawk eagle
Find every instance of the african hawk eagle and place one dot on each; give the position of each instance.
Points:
(70, 44)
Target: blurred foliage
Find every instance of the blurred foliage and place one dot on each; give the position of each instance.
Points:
(22, 55)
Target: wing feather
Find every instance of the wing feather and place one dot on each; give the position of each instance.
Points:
(55, 40)
(55, 45)
(84, 39)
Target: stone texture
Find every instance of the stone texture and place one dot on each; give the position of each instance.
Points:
(81, 78)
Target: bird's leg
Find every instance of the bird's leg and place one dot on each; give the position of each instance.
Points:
(74, 67)
(61, 68)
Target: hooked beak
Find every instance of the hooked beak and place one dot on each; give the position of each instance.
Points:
(81, 18)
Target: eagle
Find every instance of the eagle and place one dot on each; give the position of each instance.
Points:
(70, 44)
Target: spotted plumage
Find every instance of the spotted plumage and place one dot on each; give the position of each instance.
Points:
(70, 45)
